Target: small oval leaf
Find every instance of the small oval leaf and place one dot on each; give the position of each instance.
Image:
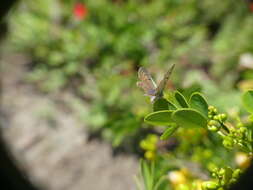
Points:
(198, 102)
(190, 118)
(159, 118)
(181, 100)
(247, 99)
(160, 104)
(169, 131)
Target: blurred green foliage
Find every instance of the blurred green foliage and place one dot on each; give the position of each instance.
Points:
(98, 55)
(97, 58)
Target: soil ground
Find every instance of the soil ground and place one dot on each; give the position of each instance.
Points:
(51, 144)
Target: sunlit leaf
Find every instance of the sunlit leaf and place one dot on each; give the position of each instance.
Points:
(198, 102)
(160, 104)
(171, 106)
(190, 118)
(181, 100)
(159, 118)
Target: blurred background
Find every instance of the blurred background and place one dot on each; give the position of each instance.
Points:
(71, 113)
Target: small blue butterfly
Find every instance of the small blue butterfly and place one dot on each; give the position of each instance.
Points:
(149, 86)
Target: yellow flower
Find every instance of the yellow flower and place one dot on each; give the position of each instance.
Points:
(150, 155)
(177, 177)
(242, 160)
(196, 184)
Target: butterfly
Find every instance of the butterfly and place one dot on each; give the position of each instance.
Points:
(149, 86)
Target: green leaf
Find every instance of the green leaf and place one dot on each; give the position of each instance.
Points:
(247, 99)
(198, 102)
(160, 104)
(190, 118)
(169, 131)
(171, 106)
(161, 180)
(146, 175)
(173, 103)
(181, 100)
(159, 118)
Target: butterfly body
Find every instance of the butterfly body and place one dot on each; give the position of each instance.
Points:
(149, 86)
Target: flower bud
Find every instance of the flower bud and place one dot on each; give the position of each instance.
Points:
(214, 122)
(210, 108)
(222, 171)
(212, 167)
(144, 144)
(242, 129)
(183, 187)
(152, 138)
(228, 142)
(150, 155)
(213, 128)
(215, 169)
(209, 185)
(236, 174)
(216, 117)
(223, 117)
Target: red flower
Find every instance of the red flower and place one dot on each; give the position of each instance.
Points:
(80, 11)
(251, 7)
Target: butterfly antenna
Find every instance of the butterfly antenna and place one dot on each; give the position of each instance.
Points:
(170, 71)
(171, 68)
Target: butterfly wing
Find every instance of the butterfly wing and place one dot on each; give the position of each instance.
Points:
(162, 84)
(146, 82)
